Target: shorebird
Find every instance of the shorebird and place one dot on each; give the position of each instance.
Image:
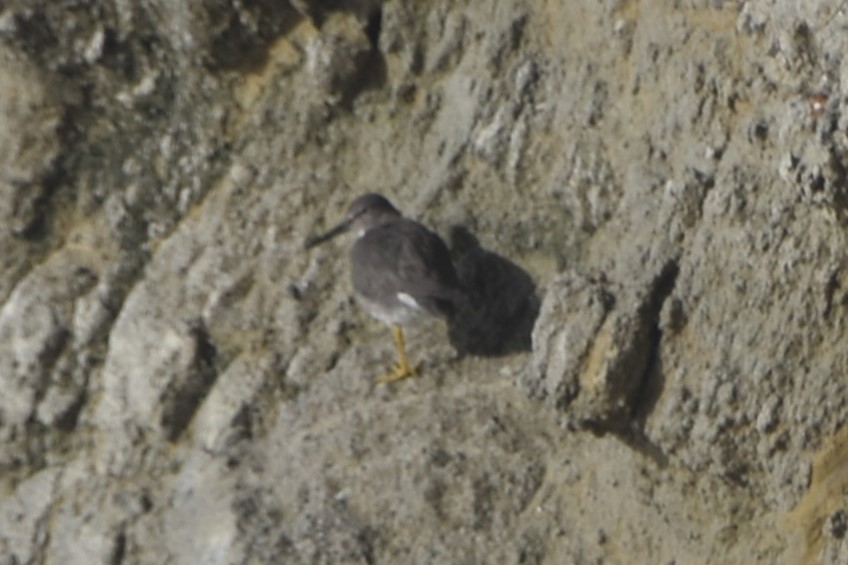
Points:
(401, 271)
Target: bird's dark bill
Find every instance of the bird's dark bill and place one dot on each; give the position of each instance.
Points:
(315, 240)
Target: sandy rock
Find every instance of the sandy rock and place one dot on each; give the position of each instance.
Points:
(592, 345)
(646, 208)
(22, 516)
(39, 369)
(337, 58)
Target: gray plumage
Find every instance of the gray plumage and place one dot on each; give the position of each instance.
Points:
(398, 260)
(401, 271)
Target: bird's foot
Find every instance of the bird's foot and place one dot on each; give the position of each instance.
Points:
(398, 372)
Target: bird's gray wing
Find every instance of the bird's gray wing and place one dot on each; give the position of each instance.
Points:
(410, 259)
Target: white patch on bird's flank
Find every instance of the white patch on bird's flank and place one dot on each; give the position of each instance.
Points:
(408, 300)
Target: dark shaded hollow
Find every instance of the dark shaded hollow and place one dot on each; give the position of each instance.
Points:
(502, 306)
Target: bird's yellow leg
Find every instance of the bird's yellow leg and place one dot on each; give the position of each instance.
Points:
(402, 368)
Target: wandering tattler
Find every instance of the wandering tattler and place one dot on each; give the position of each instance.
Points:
(401, 271)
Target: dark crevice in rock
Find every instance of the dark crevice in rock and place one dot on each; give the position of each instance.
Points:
(52, 349)
(366, 539)
(830, 289)
(122, 277)
(635, 377)
(632, 386)
(374, 26)
(28, 219)
(840, 184)
(183, 399)
(652, 381)
(243, 425)
(35, 30)
(67, 422)
(32, 220)
(51, 352)
(119, 550)
(706, 182)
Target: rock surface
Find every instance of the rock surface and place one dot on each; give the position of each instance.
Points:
(647, 202)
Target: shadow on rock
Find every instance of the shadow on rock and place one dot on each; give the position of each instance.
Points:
(502, 304)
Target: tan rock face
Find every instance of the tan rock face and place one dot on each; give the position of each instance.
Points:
(645, 201)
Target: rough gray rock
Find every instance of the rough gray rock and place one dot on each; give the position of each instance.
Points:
(592, 345)
(31, 116)
(655, 193)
